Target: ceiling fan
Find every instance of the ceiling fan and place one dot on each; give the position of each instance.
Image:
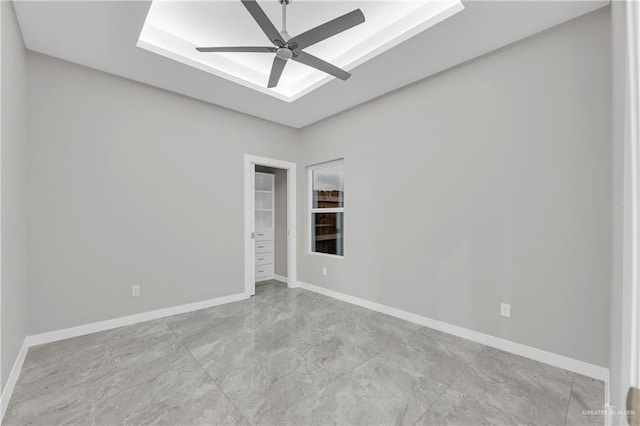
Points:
(286, 47)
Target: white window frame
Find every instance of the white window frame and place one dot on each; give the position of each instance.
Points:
(312, 210)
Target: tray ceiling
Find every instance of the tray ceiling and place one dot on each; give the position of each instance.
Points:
(105, 34)
(173, 29)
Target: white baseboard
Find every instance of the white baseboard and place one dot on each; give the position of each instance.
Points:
(576, 366)
(280, 278)
(81, 330)
(570, 364)
(7, 391)
(94, 327)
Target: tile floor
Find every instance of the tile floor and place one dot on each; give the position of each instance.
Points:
(289, 356)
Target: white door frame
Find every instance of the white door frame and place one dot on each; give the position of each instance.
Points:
(625, 349)
(250, 162)
(632, 194)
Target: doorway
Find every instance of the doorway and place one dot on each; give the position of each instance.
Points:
(258, 220)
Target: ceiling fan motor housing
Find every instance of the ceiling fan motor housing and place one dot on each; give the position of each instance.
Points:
(284, 53)
(286, 47)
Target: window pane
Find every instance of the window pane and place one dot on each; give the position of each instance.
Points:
(328, 187)
(327, 232)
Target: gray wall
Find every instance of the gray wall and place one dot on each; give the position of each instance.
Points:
(484, 184)
(487, 183)
(133, 185)
(13, 154)
(280, 220)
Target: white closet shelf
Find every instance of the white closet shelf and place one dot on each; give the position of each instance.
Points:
(265, 221)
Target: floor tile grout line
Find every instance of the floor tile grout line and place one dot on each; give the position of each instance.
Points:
(125, 388)
(380, 353)
(566, 414)
(257, 300)
(330, 299)
(334, 380)
(484, 347)
(174, 350)
(340, 376)
(273, 307)
(334, 334)
(406, 340)
(209, 375)
(450, 384)
(77, 366)
(325, 329)
(178, 343)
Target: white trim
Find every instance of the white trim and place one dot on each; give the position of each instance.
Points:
(333, 256)
(633, 104)
(94, 327)
(280, 278)
(311, 210)
(7, 391)
(250, 162)
(574, 365)
(625, 308)
(325, 164)
(249, 226)
(81, 330)
(327, 210)
(7, 388)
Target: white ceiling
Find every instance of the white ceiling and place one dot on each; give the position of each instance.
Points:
(174, 28)
(103, 35)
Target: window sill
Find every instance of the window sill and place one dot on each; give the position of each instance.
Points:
(334, 256)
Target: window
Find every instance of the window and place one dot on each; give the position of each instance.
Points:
(326, 184)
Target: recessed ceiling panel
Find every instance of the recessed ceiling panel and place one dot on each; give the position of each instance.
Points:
(103, 35)
(174, 28)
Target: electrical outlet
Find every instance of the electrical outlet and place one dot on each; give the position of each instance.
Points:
(505, 310)
(324, 270)
(135, 290)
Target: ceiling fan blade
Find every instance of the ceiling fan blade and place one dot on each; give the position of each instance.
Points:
(276, 71)
(237, 49)
(263, 21)
(319, 64)
(328, 29)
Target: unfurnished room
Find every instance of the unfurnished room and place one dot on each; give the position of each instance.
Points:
(320, 212)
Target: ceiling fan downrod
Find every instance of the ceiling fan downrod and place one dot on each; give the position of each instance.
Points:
(288, 48)
(285, 35)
